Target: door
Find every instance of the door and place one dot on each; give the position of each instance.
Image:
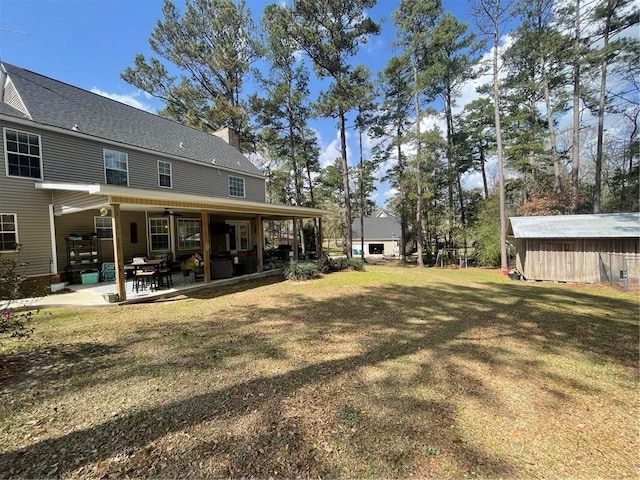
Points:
(555, 262)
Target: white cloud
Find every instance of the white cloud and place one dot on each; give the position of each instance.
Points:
(331, 151)
(130, 99)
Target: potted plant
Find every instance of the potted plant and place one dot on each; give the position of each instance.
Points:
(192, 264)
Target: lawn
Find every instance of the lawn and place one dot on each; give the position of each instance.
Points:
(389, 373)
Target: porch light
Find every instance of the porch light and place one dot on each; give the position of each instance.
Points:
(104, 211)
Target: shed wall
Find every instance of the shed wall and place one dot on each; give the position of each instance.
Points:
(567, 259)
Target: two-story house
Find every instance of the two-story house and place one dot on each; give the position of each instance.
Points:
(85, 179)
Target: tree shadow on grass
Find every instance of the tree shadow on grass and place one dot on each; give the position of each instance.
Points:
(389, 322)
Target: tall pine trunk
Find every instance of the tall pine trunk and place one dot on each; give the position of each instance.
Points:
(419, 234)
(499, 149)
(345, 183)
(597, 192)
(575, 148)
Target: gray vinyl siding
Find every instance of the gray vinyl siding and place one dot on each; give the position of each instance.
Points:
(83, 224)
(78, 160)
(31, 206)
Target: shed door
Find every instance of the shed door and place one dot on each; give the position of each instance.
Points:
(555, 262)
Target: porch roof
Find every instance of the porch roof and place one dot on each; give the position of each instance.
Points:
(146, 199)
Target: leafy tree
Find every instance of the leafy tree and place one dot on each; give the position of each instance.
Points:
(13, 287)
(283, 111)
(611, 18)
(476, 137)
(329, 32)
(453, 52)
(212, 46)
(490, 16)
(537, 74)
(390, 125)
(487, 233)
(415, 22)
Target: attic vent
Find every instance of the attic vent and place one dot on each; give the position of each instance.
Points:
(75, 128)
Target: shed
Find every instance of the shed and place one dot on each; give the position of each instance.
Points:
(575, 248)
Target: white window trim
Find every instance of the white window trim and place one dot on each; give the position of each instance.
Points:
(244, 187)
(150, 235)
(170, 174)
(95, 228)
(6, 153)
(104, 161)
(178, 246)
(15, 222)
(236, 224)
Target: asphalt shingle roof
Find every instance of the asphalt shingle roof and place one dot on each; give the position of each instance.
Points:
(377, 228)
(58, 104)
(605, 225)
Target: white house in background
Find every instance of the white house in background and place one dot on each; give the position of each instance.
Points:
(381, 235)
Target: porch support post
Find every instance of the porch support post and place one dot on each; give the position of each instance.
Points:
(295, 240)
(118, 252)
(206, 245)
(319, 245)
(260, 242)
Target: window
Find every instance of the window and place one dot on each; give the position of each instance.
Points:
(103, 227)
(22, 152)
(8, 232)
(188, 233)
(236, 187)
(159, 234)
(164, 174)
(116, 171)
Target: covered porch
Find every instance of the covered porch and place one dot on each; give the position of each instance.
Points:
(120, 223)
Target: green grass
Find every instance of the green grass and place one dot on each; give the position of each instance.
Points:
(390, 372)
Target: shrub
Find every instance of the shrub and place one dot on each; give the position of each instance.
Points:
(301, 271)
(328, 265)
(355, 264)
(12, 287)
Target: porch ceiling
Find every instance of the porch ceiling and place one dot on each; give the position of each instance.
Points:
(153, 200)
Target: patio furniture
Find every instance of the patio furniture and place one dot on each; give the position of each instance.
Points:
(146, 273)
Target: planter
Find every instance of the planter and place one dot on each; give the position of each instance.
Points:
(56, 287)
(111, 297)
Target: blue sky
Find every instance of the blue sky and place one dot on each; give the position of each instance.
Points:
(88, 43)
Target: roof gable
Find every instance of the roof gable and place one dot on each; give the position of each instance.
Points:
(377, 228)
(53, 103)
(607, 225)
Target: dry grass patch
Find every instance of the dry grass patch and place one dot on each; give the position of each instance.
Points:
(393, 372)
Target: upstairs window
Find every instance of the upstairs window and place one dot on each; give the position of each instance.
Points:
(116, 168)
(236, 187)
(23, 156)
(164, 174)
(8, 232)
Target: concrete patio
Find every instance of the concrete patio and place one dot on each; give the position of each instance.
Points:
(96, 295)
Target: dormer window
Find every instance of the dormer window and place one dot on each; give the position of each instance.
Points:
(22, 153)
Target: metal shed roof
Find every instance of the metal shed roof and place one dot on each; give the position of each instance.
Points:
(605, 225)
